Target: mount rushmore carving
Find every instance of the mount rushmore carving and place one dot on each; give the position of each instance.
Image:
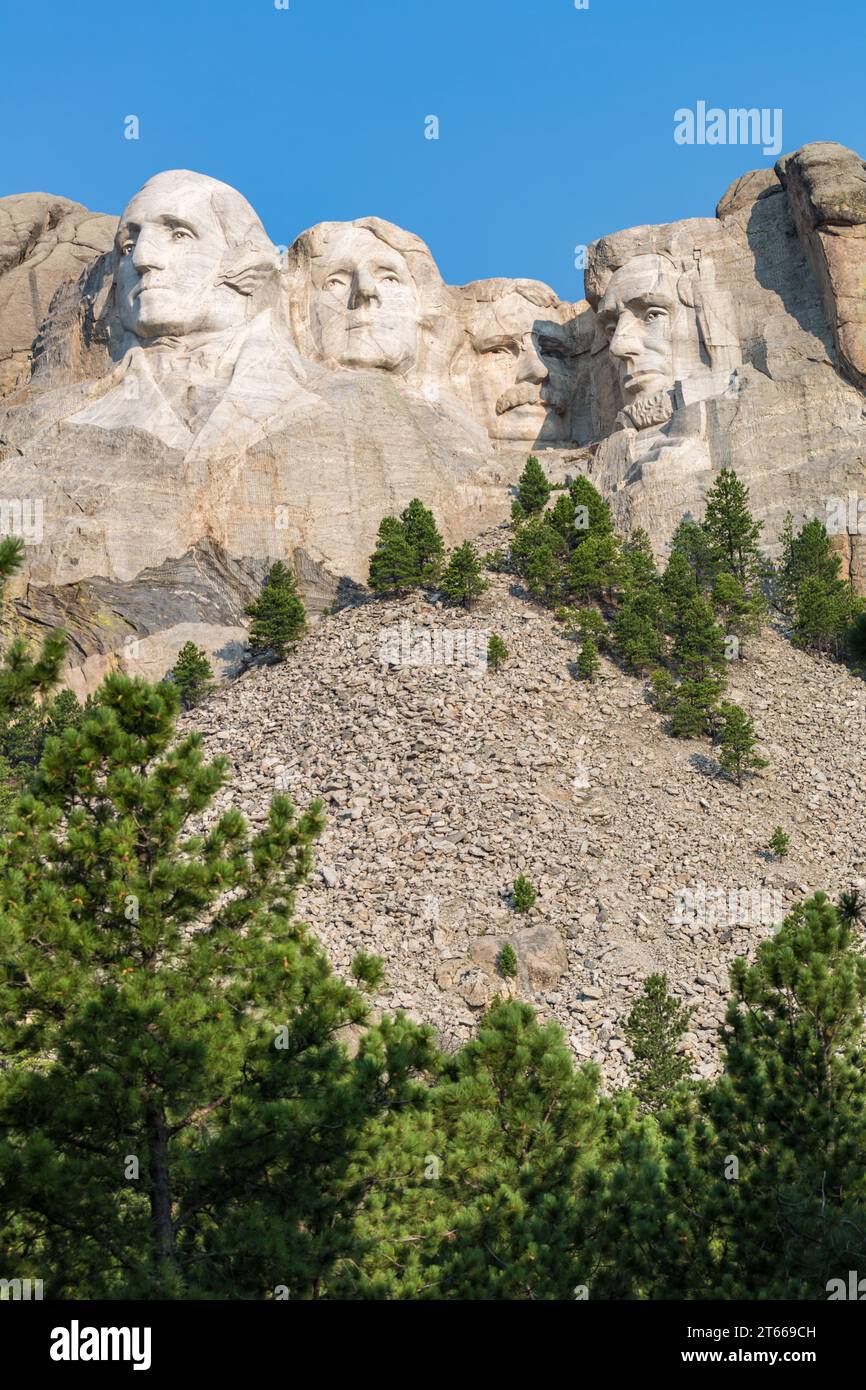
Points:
(194, 405)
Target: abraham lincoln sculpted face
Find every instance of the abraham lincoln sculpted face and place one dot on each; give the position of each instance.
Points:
(640, 315)
(192, 255)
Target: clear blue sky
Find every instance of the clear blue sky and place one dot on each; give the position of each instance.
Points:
(556, 125)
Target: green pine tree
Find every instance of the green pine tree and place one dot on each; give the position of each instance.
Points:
(588, 664)
(731, 529)
(780, 843)
(533, 488)
(497, 652)
(737, 755)
(523, 895)
(176, 1114)
(278, 618)
(424, 540)
(192, 674)
(507, 962)
(393, 564)
(653, 1030)
(462, 580)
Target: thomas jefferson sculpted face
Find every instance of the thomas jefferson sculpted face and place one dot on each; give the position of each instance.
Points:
(365, 310)
(192, 254)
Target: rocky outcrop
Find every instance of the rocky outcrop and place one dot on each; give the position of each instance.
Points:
(442, 783)
(45, 243)
(196, 394)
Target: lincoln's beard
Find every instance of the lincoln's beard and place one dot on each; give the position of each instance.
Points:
(655, 409)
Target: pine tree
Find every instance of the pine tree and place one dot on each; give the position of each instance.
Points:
(691, 541)
(680, 592)
(807, 554)
(824, 609)
(695, 707)
(424, 540)
(851, 907)
(507, 963)
(176, 1117)
(533, 488)
(278, 618)
(780, 843)
(479, 1195)
(588, 664)
(462, 581)
(791, 1108)
(523, 895)
(497, 652)
(653, 1030)
(393, 564)
(731, 529)
(637, 638)
(699, 651)
(192, 674)
(593, 568)
(737, 755)
(738, 614)
(592, 509)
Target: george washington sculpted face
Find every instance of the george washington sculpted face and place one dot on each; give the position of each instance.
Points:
(190, 254)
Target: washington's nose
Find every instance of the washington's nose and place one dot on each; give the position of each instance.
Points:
(364, 288)
(146, 255)
(530, 366)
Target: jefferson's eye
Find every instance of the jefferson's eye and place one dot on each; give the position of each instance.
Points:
(391, 279)
(498, 352)
(335, 284)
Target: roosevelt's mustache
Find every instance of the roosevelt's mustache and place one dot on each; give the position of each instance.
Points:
(525, 393)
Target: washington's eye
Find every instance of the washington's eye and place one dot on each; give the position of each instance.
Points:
(335, 284)
(391, 279)
(181, 234)
(498, 352)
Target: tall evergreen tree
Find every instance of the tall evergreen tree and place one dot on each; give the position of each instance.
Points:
(731, 529)
(177, 1116)
(424, 540)
(533, 488)
(278, 618)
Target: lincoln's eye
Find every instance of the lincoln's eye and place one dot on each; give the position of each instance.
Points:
(653, 314)
(126, 248)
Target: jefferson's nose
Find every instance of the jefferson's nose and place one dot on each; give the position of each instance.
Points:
(364, 289)
(529, 364)
(146, 255)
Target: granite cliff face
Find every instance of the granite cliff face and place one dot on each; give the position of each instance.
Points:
(181, 405)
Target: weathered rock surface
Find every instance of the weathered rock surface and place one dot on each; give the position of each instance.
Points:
(442, 784)
(44, 242)
(194, 393)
